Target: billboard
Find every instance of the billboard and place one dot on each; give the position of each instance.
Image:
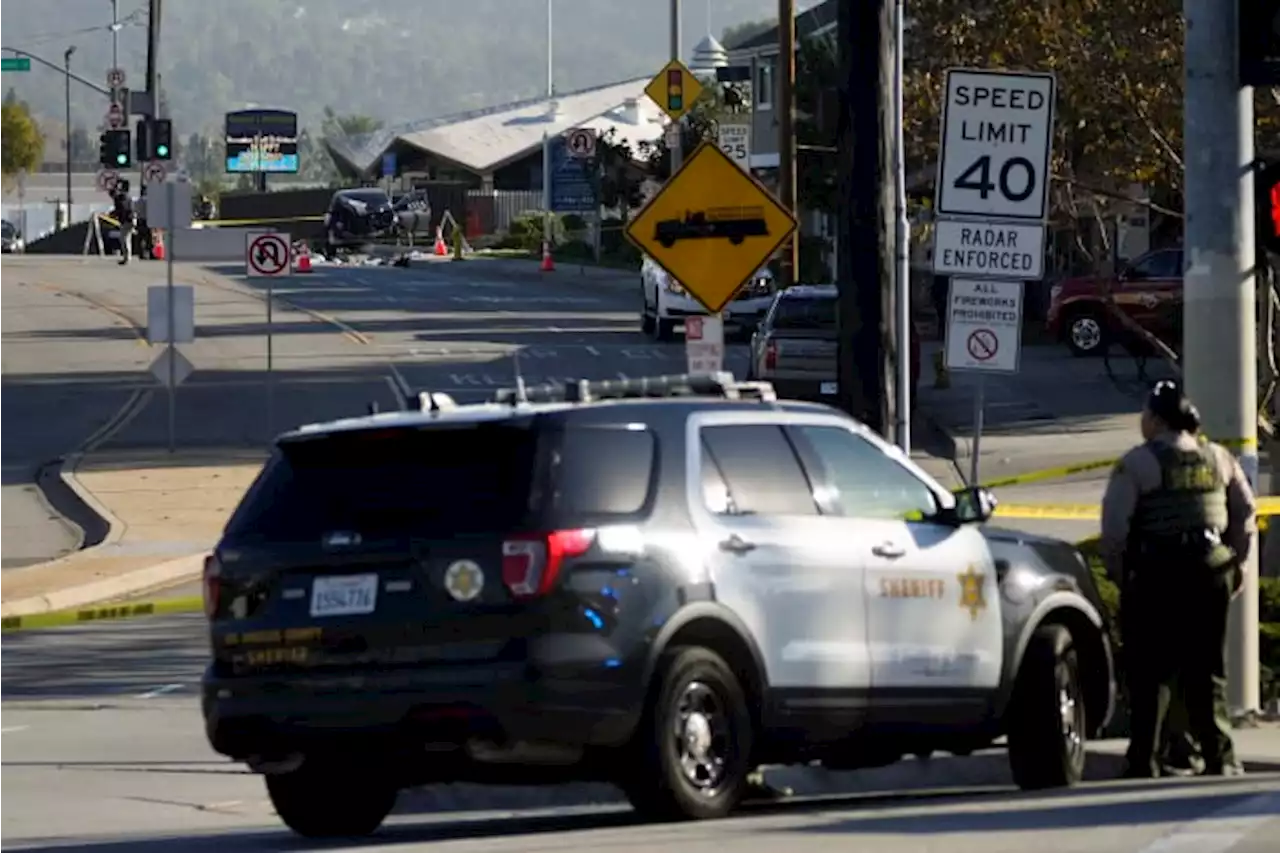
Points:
(262, 141)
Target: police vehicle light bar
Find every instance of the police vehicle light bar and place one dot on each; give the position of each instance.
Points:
(721, 385)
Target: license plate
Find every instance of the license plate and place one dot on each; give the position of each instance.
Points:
(828, 388)
(347, 595)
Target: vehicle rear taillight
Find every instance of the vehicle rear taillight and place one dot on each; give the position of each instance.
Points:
(531, 562)
(771, 356)
(212, 585)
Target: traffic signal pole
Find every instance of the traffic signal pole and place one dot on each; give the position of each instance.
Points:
(1220, 328)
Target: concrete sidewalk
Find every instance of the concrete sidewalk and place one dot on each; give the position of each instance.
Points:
(164, 513)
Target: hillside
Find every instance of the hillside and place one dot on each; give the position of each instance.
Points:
(394, 60)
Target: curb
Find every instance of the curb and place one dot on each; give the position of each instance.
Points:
(115, 528)
(943, 774)
(169, 573)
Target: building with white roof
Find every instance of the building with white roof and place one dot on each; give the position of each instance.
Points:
(501, 147)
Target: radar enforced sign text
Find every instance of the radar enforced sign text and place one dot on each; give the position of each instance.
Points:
(988, 249)
(984, 326)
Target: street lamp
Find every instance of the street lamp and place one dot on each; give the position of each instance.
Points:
(66, 63)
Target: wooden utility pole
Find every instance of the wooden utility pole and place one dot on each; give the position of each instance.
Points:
(786, 107)
(865, 271)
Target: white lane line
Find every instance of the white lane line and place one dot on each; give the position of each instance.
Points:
(7, 729)
(593, 350)
(401, 403)
(1221, 830)
(160, 691)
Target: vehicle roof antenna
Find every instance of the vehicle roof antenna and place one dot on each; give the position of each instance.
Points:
(520, 395)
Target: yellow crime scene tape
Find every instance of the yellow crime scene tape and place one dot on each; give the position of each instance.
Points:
(102, 613)
(236, 223)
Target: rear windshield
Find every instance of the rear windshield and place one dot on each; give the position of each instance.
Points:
(440, 483)
(807, 312)
(375, 198)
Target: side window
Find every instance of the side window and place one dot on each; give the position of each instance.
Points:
(602, 471)
(760, 471)
(869, 483)
(1157, 265)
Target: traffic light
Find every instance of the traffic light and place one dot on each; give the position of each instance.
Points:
(113, 149)
(1259, 25)
(142, 141)
(675, 90)
(161, 142)
(1267, 199)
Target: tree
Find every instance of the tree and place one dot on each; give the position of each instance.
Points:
(1119, 73)
(351, 126)
(20, 140)
(748, 29)
(699, 125)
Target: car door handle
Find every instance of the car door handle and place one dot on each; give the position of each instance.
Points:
(735, 544)
(888, 550)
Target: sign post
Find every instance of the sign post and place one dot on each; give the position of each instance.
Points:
(992, 202)
(704, 344)
(267, 255)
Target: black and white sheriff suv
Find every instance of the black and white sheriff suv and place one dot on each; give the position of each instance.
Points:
(662, 583)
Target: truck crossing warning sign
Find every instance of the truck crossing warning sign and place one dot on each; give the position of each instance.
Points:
(712, 226)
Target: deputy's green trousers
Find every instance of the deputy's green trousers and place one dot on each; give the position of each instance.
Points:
(1174, 623)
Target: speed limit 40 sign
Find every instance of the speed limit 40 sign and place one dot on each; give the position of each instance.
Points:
(997, 136)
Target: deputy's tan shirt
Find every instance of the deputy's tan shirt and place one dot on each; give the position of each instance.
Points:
(1138, 472)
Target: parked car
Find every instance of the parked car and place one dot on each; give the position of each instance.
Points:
(357, 217)
(1148, 291)
(795, 346)
(665, 303)
(12, 239)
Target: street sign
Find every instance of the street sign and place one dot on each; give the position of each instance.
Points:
(997, 135)
(711, 227)
(182, 367)
(984, 325)
(581, 143)
(115, 116)
(115, 78)
(184, 314)
(389, 164)
(266, 254)
(572, 187)
(674, 90)
(735, 140)
(704, 344)
(15, 63)
(671, 135)
(988, 249)
(153, 172)
(107, 180)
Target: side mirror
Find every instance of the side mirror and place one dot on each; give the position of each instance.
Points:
(974, 505)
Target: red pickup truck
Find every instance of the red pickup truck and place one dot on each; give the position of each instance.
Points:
(1148, 290)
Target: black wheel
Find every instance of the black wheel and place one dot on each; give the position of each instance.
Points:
(1048, 728)
(664, 330)
(327, 799)
(1086, 332)
(647, 320)
(692, 750)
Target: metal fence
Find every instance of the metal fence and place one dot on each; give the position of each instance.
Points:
(492, 212)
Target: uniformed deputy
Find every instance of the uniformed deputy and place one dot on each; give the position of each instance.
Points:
(1177, 525)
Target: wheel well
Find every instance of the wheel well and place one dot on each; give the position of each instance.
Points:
(1095, 665)
(719, 637)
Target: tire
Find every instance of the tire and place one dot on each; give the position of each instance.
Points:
(664, 330)
(327, 799)
(647, 320)
(657, 783)
(1086, 333)
(1048, 727)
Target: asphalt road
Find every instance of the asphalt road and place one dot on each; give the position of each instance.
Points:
(103, 750)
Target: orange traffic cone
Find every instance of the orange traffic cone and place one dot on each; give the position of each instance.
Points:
(304, 261)
(157, 248)
(548, 265)
(441, 249)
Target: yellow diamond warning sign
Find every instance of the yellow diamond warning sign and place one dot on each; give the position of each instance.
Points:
(675, 89)
(711, 227)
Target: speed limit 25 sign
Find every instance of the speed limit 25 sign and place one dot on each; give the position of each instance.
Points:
(997, 136)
